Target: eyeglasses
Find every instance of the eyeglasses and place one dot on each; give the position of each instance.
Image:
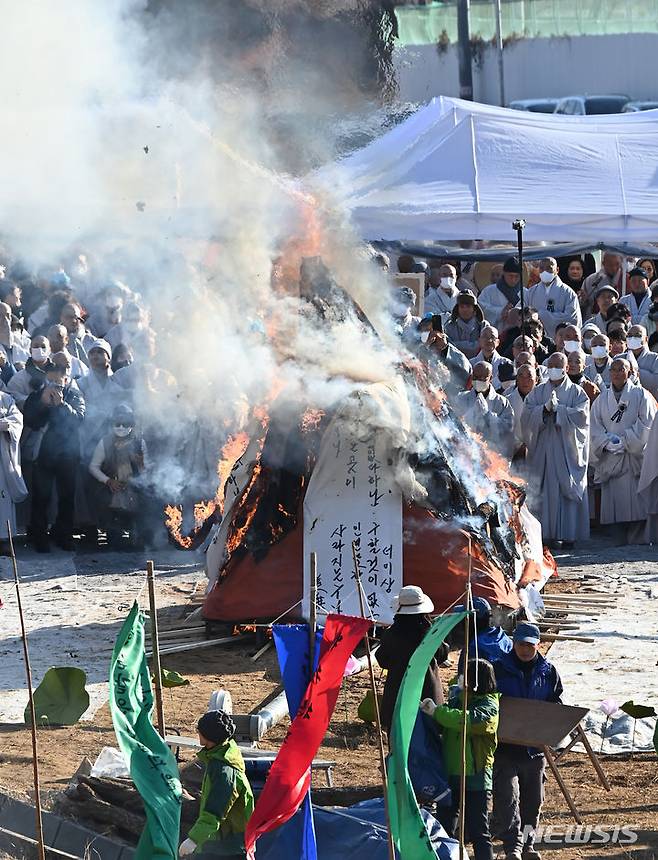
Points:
(124, 426)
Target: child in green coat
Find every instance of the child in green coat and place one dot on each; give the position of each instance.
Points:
(481, 742)
(226, 798)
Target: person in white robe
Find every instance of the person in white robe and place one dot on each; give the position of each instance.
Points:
(620, 424)
(576, 373)
(10, 343)
(12, 486)
(555, 426)
(498, 299)
(554, 300)
(526, 379)
(597, 364)
(541, 372)
(638, 300)
(489, 343)
(442, 291)
(647, 361)
(58, 337)
(648, 484)
(486, 412)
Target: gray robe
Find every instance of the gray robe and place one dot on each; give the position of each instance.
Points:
(562, 300)
(12, 485)
(594, 372)
(437, 301)
(493, 419)
(558, 453)
(637, 313)
(517, 402)
(463, 335)
(630, 418)
(648, 483)
(647, 363)
(496, 361)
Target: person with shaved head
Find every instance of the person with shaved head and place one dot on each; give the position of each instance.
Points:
(554, 300)
(489, 343)
(620, 424)
(555, 426)
(487, 412)
(647, 361)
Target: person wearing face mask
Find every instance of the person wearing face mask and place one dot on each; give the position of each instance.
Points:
(486, 412)
(571, 339)
(526, 379)
(606, 297)
(638, 300)
(448, 363)
(442, 292)
(498, 299)
(609, 275)
(588, 331)
(647, 362)
(465, 324)
(117, 464)
(576, 373)
(489, 342)
(597, 365)
(621, 421)
(555, 302)
(58, 409)
(58, 338)
(33, 375)
(555, 425)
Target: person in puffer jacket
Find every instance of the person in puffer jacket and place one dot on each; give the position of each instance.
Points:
(226, 797)
(481, 740)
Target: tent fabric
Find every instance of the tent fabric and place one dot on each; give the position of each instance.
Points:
(435, 557)
(500, 252)
(457, 170)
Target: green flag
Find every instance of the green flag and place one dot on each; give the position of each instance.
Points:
(152, 765)
(407, 826)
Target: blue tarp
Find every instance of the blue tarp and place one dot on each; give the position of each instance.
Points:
(356, 832)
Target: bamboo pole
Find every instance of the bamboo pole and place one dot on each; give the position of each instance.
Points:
(28, 672)
(462, 782)
(373, 686)
(155, 646)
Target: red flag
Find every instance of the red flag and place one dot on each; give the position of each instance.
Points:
(290, 776)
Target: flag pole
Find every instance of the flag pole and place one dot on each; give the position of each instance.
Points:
(462, 782)
(313, 612)
(155, 649)
(33, 720)
(373, 686)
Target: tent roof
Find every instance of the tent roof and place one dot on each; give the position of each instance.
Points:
(456, 170)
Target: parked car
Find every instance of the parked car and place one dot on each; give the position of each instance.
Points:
(535, 105)
(590, 105)
(633, 107)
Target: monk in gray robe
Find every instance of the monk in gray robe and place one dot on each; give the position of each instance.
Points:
(12, 485)
(556, 431)
(487, 413)
(647, 362)
(648, 484)
(620, 423)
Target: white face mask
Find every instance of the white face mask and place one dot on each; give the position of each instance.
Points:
(122, 432)
(555, 374)
(39, 353)
(571, 345)
(447, 283)
(600, 351)
(547, 277)
(424, 336)
(635, 343)
(480, 385)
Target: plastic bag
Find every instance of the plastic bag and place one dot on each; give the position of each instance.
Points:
(111, 763)
(425, 764)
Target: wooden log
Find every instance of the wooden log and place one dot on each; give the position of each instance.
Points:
(261, 651)
(559, 637)
(554, 610)
(88, 806)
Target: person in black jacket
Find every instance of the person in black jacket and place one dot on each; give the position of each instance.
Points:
(398, 643)
(57, 409)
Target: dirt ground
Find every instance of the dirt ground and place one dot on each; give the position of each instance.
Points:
(632, 802)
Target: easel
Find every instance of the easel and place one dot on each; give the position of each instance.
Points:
(530, 723)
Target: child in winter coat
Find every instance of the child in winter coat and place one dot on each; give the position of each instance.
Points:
(481, 741)
(226, 798)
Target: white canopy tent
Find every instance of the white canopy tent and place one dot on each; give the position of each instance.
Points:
(457, 170)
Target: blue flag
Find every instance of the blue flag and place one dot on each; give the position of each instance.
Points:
(292, 642)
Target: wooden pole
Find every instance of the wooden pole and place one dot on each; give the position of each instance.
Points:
(28, 671)
(373, 687)
(462, 783)
(155, 647)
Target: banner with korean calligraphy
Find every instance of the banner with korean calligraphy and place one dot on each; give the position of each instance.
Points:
(352, 496)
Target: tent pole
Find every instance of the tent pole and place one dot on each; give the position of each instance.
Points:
(464, 42)
(155, 648)
(373, 686)
(462, 783)
(518, 226)
(499, 46)
(33, 719)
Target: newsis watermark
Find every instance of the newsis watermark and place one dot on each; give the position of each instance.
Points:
(581, 834)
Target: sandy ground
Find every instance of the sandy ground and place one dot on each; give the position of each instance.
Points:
(632, 802)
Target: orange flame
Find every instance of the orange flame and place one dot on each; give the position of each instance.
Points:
(240, 532)
(173, 522)
(231, 453)
(311, 420)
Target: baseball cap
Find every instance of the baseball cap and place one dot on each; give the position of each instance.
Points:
(527, 633)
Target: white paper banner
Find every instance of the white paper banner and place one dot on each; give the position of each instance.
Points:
(352, 497)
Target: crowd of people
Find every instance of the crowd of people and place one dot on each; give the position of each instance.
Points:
(563, 384)
(74, 458)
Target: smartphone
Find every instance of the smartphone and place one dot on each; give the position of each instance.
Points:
(437, 323)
